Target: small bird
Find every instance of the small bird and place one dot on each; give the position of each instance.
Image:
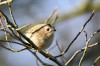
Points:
(42, 35)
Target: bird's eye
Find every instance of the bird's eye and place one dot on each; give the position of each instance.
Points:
(48, 29)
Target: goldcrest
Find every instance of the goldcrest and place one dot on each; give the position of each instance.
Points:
(42, 35)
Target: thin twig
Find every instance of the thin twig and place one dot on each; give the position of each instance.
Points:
(34, 53)
(86, 47)
(13, 42)
(92, 14)
(12, 27)
(23, 27)
(96, 60)
(12, 16)
(6, 20)
(37, 62)
(10, 34)
(78, 51)
(63, 58)
(7, 37)
(5, 2)
(14, 50)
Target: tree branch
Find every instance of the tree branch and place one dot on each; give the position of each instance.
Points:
(92, 14)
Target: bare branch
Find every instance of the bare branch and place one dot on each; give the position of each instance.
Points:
(78, 51)
(96, 60)
(11, 14)
(86, 47)
(5, 2)
(92, 14)
(34, 53)
(14, 49)
(64, 60)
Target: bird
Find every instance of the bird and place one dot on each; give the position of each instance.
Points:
(41, 35)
